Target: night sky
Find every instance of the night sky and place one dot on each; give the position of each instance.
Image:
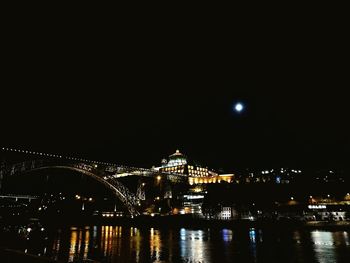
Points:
(137, 102)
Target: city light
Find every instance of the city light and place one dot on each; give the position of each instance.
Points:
(194, 196)
(317, 207)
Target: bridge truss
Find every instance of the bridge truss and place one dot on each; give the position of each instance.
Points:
(107, 174)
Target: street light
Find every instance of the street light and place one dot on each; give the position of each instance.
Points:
(159, 177)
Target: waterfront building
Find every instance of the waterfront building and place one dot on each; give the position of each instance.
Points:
(227, 213)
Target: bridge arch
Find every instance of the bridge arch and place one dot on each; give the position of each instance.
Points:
(118, 189)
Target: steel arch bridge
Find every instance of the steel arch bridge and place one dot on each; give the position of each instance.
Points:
(107, 174)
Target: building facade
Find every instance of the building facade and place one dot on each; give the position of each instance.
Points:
(178, 163)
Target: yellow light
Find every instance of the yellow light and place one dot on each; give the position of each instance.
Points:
(159, 177)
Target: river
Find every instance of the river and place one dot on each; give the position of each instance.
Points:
(131, 244)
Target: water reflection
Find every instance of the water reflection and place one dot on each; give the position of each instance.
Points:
(56, 246)
(79, 244)
(135, 243)
(327, 243)
(155, 244)
(131, 244)
(226, 235)
(252, 237)
(193, 247)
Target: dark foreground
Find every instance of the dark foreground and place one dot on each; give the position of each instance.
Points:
(154, 240)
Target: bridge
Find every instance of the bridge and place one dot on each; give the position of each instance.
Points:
(105, 173)
(17, 197)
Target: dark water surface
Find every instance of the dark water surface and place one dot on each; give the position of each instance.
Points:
(130, 244)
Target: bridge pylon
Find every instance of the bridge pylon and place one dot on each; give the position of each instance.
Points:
(140, 193)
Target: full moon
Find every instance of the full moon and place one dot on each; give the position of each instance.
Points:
(238, 107)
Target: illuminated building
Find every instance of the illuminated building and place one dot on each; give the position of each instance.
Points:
(197, 175)
(213, 179)
(177, 163)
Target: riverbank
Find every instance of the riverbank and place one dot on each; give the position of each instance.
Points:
(188, 221)
(179, 221)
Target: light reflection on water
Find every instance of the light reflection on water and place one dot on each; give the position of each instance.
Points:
(326, 244)
(226, 235)
(131, 244)
(193, 247)
(155, 245)
(253, 245)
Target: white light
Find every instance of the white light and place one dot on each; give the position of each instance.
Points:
(238, 107)
(317, 207)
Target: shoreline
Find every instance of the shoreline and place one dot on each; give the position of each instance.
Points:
(183, 221)
(191, 222)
